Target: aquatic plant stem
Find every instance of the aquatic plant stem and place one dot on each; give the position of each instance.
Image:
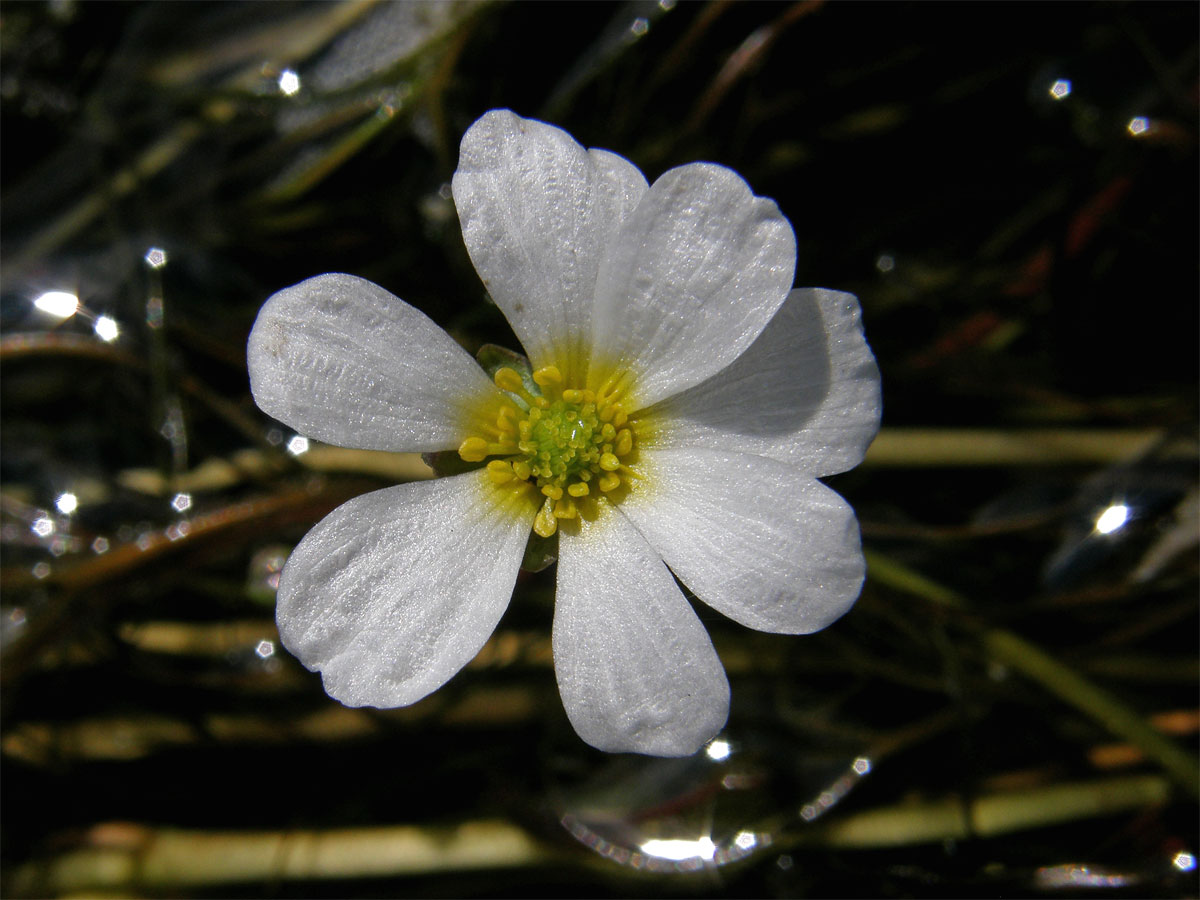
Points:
(1017, 653)
(988, 815)
(929, 447)
(122, 856)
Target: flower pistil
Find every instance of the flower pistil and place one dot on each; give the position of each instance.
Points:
(569, 444)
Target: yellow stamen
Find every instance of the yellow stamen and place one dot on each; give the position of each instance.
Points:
(624, 442)
(566, 442)
(509, 380)
(500, 471)
(473, 449)
(547, 375)
(506, 420)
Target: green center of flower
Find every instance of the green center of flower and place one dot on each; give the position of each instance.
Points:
(564, 441)
(570, 444)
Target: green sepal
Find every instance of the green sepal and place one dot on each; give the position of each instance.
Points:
(493, 357)
(540, 552)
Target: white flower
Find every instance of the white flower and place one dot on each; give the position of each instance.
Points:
(686, 400)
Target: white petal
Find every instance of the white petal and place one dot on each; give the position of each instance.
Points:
(538, 212)
(806, 392)
(636, 669)
(755, 539)
(342, 360)
(395, 591)
(695, 274)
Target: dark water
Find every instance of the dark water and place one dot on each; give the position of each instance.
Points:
(1009, 189)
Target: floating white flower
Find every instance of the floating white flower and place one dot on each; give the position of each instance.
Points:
(680, 403)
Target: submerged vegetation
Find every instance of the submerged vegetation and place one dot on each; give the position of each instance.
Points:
(1010, 707)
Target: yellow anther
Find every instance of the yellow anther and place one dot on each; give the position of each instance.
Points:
(624, 442)
(544, 523)
(473, 449)
(563, 441)
(500, 471)
(610, 386)
(509, 380)
(506, 420)
(547, 375)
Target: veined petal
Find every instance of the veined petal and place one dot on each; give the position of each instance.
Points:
(756, 539)
(538, 212)
(635, 667)
(695, 274)
(342, 360)
(806, 392)
(394, 591)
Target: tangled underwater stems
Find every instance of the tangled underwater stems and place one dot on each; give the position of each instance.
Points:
(661, 315)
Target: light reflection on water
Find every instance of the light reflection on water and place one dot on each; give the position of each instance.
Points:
(1073, 875)
(717, 807)
(106, 328)
(156, 257)
(263, 572)
(289, 83)
(717, 749)
(832, 795)
(1112, 518)
(668, 815)
(60, 304)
